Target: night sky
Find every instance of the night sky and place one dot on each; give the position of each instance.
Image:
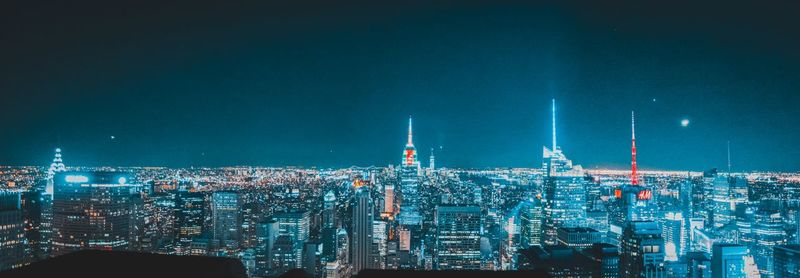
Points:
(331, 85)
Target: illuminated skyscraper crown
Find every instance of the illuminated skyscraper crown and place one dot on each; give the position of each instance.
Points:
(57, 165)
(555, 162)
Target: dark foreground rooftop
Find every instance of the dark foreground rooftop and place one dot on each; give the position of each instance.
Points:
(131, 264)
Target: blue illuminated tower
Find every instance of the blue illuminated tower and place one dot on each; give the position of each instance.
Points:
(564, 191)
(409, 183)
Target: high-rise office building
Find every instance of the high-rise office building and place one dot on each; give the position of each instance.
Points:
(226, 221)
(531, 220)
(388, 200)
(458, 238)
(787, 260)
(409, 183)
(642, 250)
(190, 214)
(564, 191)
(32, 203)
(674, 235)
(12, 231)
(723, 205)
(362, 241)
(92, 210)
(727, 261)
(266, 234)
(294, 224)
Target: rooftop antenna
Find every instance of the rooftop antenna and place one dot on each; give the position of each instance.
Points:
(729, 157)
(554, 124)
(634, 177)
(410, 143)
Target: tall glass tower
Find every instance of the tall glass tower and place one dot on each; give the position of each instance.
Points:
(409, 183)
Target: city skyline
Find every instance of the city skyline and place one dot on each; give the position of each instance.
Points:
(275, 84)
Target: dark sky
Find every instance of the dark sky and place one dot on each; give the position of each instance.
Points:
(331, 85)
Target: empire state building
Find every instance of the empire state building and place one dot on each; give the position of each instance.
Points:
(409, 183)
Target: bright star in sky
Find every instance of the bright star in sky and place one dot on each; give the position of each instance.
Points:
(685, 122)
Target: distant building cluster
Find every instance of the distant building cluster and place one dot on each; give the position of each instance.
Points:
(557, 217)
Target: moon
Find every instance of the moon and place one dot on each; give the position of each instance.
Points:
(685, 122)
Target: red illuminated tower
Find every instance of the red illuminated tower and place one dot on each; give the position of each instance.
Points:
(634, 177)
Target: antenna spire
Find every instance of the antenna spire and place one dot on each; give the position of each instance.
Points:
(729, 157)
(634, 177)
(410, 142)
(554, 124)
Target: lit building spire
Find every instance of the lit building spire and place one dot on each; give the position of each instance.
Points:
(554, 124)
(410, 141)
(55, 167)
(729, 157)
(634, 177)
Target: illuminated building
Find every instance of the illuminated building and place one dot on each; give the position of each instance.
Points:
(284, 255)
(32, 203)
(227, 223)
(564, 191)
(579, 238)
(432, 162)
(91, 210)
(674, 235)
(296, 226)
(642, 250)
(46, 229)
(768, 232)
(727, 261)
(190, 212)
(458, 238)
(634, 201)
(379, 243)
(362, 230)
(328, 230)
(12, 231)
(266, 234)
(409, 183)
(388, 200)
(787, 261)
(531, 218)
(723, 213)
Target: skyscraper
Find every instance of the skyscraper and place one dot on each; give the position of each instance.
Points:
(190, 212)
(12, 231)
(727, 261)
(531, 218)
(723, 211)
(91, 210)
(458, 238)
(564, 191)
(362, 230)
(642, 250)
(674, 235)
(409, 183)
(226, 221)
